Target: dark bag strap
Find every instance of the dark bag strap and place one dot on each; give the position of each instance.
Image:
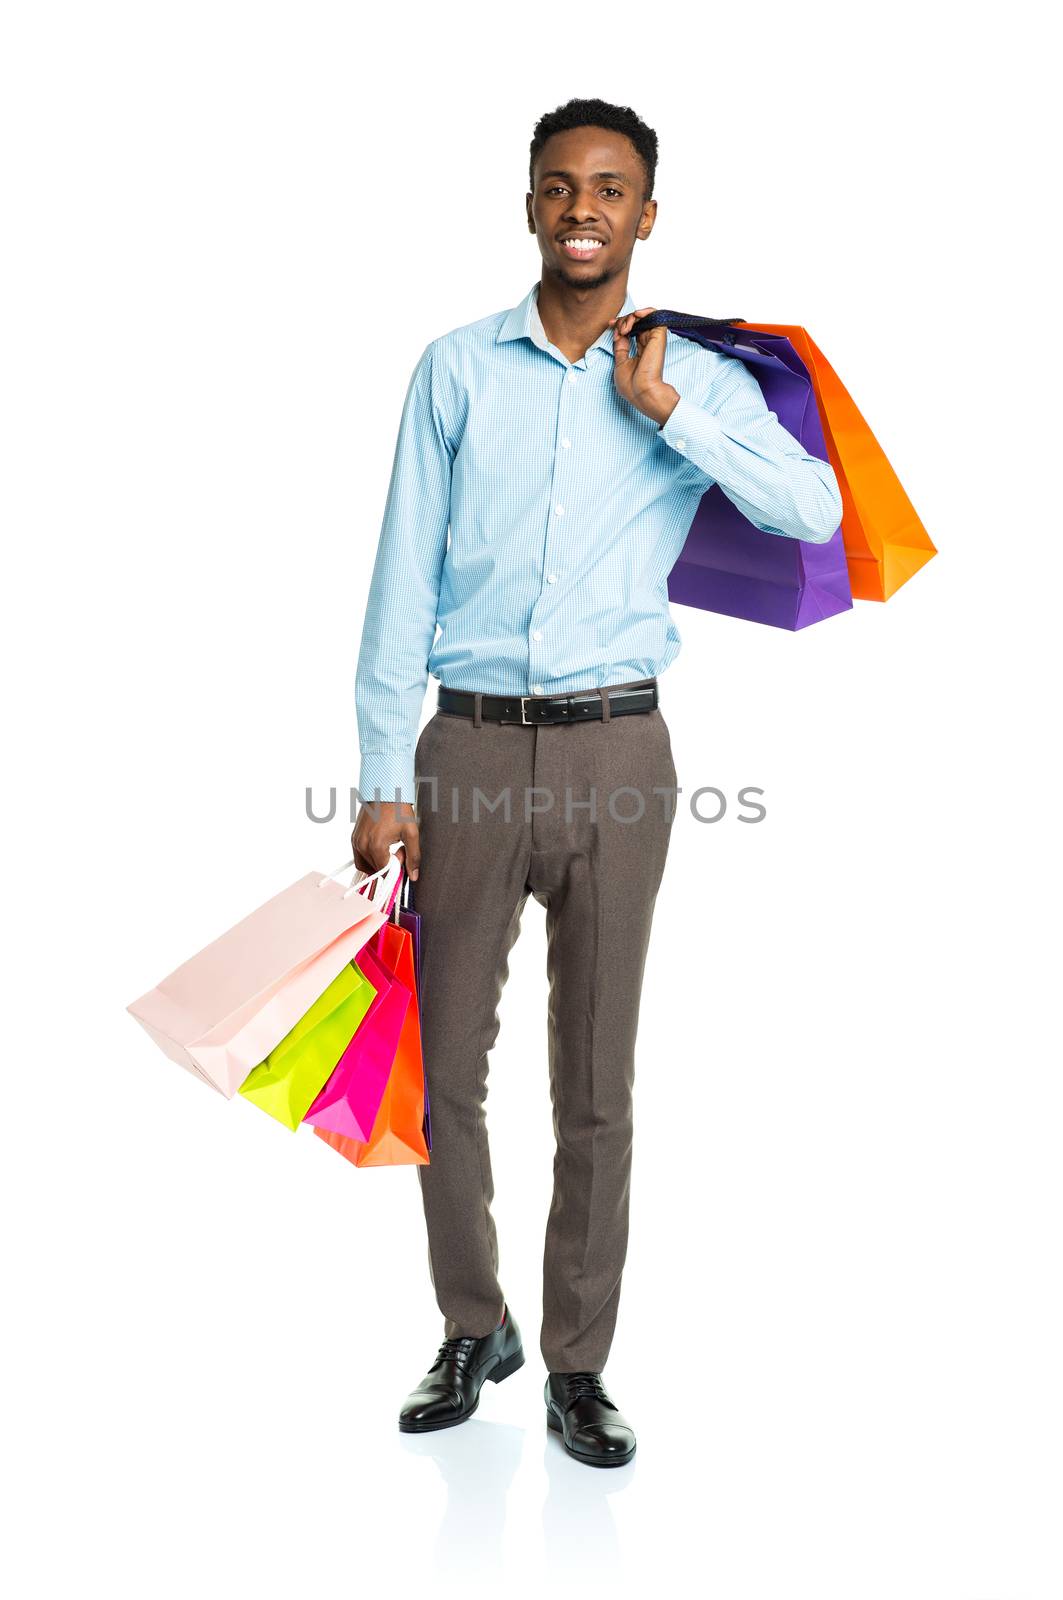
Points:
(723, 328)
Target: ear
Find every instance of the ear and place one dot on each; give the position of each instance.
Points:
(528, 210)
(649, 217)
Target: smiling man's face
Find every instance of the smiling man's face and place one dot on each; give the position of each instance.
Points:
(586, 209)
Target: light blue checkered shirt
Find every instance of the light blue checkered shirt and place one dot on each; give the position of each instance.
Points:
(566, 510)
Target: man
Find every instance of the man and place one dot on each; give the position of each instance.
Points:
(567, 467)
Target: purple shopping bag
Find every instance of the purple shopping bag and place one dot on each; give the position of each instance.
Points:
(409, 919)
(727, 564)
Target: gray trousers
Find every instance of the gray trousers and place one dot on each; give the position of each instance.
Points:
(576, 839)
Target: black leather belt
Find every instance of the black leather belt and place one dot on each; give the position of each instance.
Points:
(532, 710)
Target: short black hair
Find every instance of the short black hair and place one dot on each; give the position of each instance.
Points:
(598, 114)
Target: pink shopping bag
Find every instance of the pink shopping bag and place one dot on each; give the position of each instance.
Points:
(224, 1010)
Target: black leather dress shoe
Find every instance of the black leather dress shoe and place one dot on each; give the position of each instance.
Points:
(578, 1407)
(450, 1390)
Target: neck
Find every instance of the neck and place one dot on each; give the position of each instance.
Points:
(572, 316)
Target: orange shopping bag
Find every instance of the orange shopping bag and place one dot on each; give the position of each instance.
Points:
(885, 542)
(398, 1137)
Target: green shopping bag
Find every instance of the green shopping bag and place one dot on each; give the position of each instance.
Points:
(292, 1076)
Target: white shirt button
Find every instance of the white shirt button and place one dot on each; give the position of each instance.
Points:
(571, 377)
(566, 444)
(537, 688)
(560, 510)
(551, 577)
(680, 444)
(537, 634)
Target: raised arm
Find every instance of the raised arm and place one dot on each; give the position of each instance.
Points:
(758, 463)
(732, 438)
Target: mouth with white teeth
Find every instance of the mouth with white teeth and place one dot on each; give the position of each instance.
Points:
(581, 249)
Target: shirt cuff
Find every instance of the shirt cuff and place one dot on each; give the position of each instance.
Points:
(382, 775)
(692, 431)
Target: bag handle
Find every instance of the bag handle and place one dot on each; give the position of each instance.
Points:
(363, 879)
(394, 866)
(723, 328)
(337, 873)
(389, 909)
(406, 897)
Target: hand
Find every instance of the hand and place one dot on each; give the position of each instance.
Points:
(381, 825)
(640, 377)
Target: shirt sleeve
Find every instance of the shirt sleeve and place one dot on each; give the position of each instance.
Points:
(734, 440)
(400, 618)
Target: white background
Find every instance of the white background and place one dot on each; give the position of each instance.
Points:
(230, 231)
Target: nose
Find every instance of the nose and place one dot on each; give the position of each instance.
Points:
(582, 209)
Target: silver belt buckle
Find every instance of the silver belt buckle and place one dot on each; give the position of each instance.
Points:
(526, 721)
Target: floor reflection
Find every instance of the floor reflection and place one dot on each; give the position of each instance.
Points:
(579, 1530)
(478, 1462)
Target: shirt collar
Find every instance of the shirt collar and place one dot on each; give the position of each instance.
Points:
(524, 322)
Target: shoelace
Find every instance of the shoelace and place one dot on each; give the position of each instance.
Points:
(456, 1350)
(585, 1385)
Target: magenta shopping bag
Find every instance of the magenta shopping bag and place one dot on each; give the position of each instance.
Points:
(410, 919)
(350, 1100)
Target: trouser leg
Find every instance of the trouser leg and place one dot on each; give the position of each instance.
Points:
(470, 894)
(598, 880)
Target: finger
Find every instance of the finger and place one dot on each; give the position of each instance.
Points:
(361, 860)
(411, 849)
(651, 353)
(624, 364)
(630, 317)
(622, 348)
